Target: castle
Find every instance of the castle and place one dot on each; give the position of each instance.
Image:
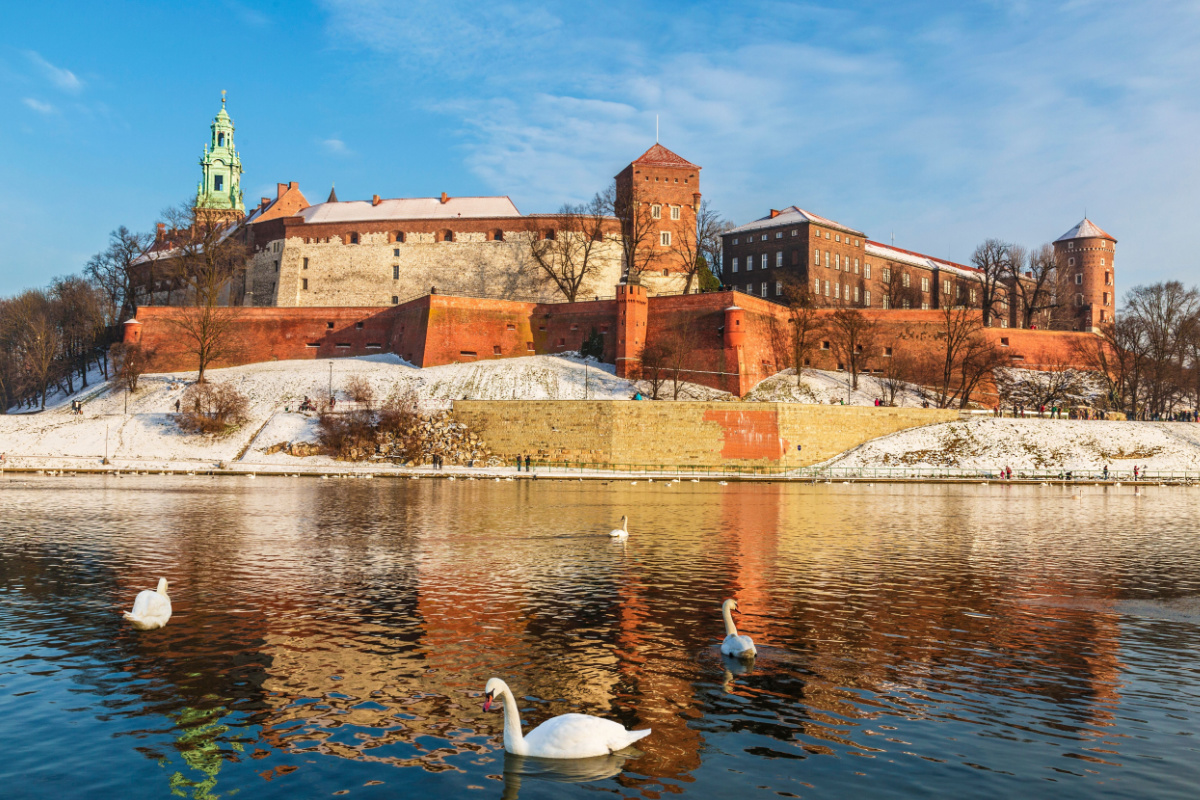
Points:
(457, 278)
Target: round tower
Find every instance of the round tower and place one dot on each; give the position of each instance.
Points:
(1086, 287)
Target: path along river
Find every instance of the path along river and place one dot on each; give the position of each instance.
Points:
(333, 637)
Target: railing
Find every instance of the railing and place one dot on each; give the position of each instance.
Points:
(826, 474)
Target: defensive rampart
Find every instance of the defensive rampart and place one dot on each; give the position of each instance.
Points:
(629, 432)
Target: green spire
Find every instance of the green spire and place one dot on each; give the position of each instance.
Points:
(221, 185)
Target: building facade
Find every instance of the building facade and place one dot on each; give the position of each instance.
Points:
(837, 265)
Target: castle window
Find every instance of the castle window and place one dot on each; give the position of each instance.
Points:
(1102, 262)
(358, 326)
(1079, 300)
(551, 235)
(1078, 277)
(395, 272)
(735, 263)
(306, 263)
(354, 238)
(664, 238)
(887, 352)
(866, 270)
(656, 211)
(1108, 279)
(1071, 261)
(220, 140)
(218, 182)
(396, 252)
(510, 327)
(395, 300)
(867, 302)
(277, 266)
(817, 258)
(445, 236)
(837, 238)
(675, 210)
(529, 346)
(886, 275)
(764, 260)
(886, 302)
(304, 284)
(1107, 297)
(778, 288)
(779, 258)
(824, 345)
(795, 232)
(904, 279)
(497, 235)
(778, 234)
(924, 284)
(496, 350)
(666, 272)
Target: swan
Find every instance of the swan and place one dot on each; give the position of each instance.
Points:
(151, 610)
(621, 532)
(566, 736)
(734, 645)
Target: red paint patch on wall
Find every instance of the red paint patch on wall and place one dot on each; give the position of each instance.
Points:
(751, 435)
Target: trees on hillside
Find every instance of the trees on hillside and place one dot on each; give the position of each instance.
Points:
(1033, 277)
(958, 359)
(574, 255)
(805, 323)
(852, 339)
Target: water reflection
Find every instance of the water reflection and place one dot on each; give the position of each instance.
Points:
(340, 631)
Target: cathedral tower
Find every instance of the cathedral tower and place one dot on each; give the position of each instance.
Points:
(1084, 258)
(219, 194)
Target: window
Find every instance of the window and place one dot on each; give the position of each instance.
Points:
(664, 238)
(867, 299)
(395, 272)
(764, 289)
(304, 284)
(816, 285)
(887, 352)
(778, 288)
(856, 266)
(795, 232)
(396, 252)
(398, 237)
(825, 345)
(924, 284)
(816, 258)
(306, 263)
(354, 238)
(887, 274)
(1102, 262)
(328, 326)
(827, 288)
(395, 300)
(1003, 323)
(529, 346)
(674, 212)
(828, 260)
(837, 261)
(496, 350)
(779, 258)
(826, 234)
(764, 237)
(972, 297)
(856, 294)
(277, 266)
(1108, 279)
(837, 237)
(924, 306)
(735, 241)
(735, 263)
(342, 345)
(904, 279)
(1004, 341)
(1106, 298)
(749, 288)
(220, 140)
(837, 291)
(946, 286)
(856, 242)
(778, 234)
(764, 261)
(1071, 261)
(218, 182)
(866, 270)
(1078, 278)
(358, 326)
(656, 211)
(1070, 245)
(1079, 300)
(886, 302)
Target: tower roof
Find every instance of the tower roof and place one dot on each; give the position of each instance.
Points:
(659, 156)
(332, 194)
(1085, 230)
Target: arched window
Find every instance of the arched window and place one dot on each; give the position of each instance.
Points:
(445, 236)
(220, 140)
(354, 238)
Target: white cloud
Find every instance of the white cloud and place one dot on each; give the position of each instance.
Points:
(62, 78)
(335, 146)
(39, 106)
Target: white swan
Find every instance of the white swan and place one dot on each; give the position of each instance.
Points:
(566, 736)
(151, 610)
(734, 645)
(621, 532)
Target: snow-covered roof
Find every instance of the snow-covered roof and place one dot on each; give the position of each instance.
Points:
(410, 208)
(900, 256)
(1085, 230)
(793, 215)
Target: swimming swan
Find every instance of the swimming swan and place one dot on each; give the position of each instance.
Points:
(621, 532)
(734, 645)
(566, 736)
(151, 610)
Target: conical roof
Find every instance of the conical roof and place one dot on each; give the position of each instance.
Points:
(659, 156)
(332, 195)
(1085, 230)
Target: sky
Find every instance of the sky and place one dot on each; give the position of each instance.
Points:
(934, 125)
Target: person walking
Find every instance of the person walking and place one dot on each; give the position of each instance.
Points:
(1106, 472)
(527, 463)
(518, 463)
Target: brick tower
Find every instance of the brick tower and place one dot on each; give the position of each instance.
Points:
(1084, 257)
(658, 196)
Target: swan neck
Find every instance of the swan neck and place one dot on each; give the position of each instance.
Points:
(514, 740)
(730, 628)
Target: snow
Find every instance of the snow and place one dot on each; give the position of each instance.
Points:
(821, 386)
(1043, 444)
(410, 208)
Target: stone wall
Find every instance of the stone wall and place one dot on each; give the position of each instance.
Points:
(319, 271)
(684, 434)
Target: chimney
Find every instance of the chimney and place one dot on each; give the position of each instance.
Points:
(263, 202)
(280, 188)
(444, 197)
(774, 213)
(293, 185)
(375, 200)
(162, 231)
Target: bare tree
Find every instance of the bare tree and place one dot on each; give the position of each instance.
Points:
(678, 344)
(131, 362)
(654, 367)
(852, 338)
(638, 228)
(993, 259)
(359, 389)
(694, 249)
(898, 288)
(38, 340)
(1167, 316)
(959, 360)
(896, 371)
(805, 323)
(206, 260)
(113, 269)
(574, 254)
(1034, 287)
(79, 306)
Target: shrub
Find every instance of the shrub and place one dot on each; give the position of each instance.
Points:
(212, 408)
(593, 346)
(359, 389)
(130, 360)
(341, 435)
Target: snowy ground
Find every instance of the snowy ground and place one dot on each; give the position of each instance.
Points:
(1042, 444)
(147, 438)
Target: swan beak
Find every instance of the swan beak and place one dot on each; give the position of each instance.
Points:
(487, 704)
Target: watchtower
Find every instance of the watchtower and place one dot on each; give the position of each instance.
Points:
(1086, 287)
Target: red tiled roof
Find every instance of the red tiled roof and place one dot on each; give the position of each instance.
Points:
(659, 156)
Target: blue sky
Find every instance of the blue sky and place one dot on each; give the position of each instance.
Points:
(940, 123)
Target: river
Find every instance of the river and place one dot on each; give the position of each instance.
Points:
(333, 637)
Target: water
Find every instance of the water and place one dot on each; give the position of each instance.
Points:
(334, 637)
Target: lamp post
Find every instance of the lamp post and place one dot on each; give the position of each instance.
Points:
(585, 380)
(331, 382)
